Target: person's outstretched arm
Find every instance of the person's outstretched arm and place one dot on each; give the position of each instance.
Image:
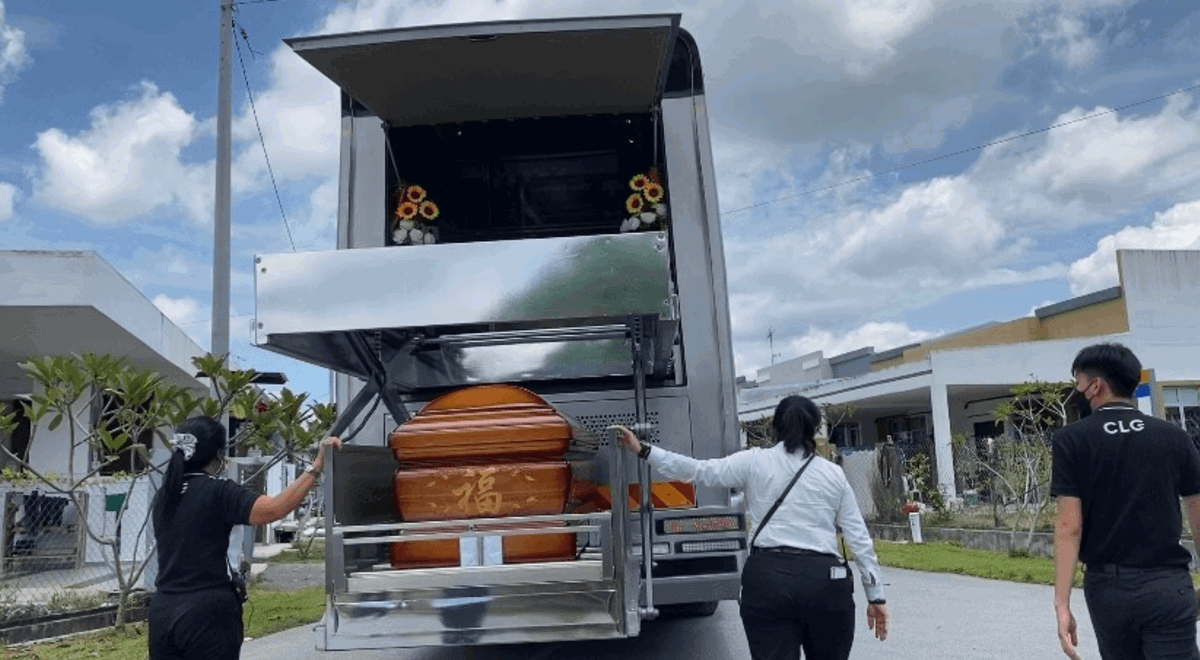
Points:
(269, 508)
(732, 471)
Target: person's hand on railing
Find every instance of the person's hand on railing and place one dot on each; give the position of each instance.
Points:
(332, 441)
(628, 440)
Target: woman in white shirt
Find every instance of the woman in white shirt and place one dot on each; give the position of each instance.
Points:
(797, 590)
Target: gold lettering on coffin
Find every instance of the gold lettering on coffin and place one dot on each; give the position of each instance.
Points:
(486, 499)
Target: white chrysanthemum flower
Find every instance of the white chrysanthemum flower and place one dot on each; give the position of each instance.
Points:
(634, 223)
(430, 239)
(648, 219)
(407, 225)
(399, 235)
(416, 235)
(661, 210)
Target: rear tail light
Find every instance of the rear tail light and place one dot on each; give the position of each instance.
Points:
(700, 525)
(725, 545)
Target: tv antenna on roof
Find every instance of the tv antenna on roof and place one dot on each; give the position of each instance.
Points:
(771, 342)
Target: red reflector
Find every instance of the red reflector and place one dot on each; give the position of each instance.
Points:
(698, 525)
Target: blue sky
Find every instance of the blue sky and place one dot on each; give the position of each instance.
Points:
(108, 131)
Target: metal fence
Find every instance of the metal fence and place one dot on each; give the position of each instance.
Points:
(50, 558)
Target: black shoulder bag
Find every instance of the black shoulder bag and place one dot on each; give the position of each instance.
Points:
(779, 501)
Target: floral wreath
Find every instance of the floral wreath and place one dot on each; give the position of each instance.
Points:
(647, 205)
(413, 220)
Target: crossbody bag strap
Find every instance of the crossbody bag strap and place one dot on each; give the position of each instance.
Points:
(779, 501)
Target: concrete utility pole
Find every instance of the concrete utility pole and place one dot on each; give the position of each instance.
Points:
(241, 539)
(221, 207)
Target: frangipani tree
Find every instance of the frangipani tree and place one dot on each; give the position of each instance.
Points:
(135, 404)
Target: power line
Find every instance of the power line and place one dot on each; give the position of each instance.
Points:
(261, 139)
(867, 177)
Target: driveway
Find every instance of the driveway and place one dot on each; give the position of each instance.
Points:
(935, 616)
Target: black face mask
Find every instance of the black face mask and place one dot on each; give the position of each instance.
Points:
(1081, 405)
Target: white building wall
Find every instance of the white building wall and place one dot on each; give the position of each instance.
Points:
(104, 523)
(804, 369)
(49, 450)
(1162, 296)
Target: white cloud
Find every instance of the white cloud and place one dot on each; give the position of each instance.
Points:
(942, 225)
(930, 130)
(1070, 42)
(126, 164)
(317, 225)
(1094, 170)
(182, 311)
(1177, 228)
(8, 198)
(13, 54)
(863, 259)
(300, 120)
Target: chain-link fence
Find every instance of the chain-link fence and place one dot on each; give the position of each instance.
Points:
(62, 553)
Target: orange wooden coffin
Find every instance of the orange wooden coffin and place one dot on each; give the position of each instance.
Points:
(482, 424)
(482, 491)
(516, 549)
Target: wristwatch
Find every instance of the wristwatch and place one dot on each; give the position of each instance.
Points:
(313, 470)
(644, 452)
(881, 601)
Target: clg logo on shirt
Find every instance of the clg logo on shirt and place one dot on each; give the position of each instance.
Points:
(1119, 426)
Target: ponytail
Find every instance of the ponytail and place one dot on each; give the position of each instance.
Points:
(796, 421)
(171, 490)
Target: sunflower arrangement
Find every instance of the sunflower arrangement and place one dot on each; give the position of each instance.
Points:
(413, 221)
(647, 205)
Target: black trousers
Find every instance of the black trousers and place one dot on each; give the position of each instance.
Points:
(791, 602)
(1141, 613)
(203, 625)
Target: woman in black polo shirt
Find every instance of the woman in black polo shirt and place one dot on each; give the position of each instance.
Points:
(195, 613)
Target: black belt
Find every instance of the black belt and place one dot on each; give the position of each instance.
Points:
(1117, 569)
(789, 550)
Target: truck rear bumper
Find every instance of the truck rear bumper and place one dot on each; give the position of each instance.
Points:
(696, 588)
(470, 615)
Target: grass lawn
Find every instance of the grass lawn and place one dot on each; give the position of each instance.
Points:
(950, 558)
(313, 553)
(267, 612)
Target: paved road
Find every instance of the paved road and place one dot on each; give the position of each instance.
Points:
(935, 617)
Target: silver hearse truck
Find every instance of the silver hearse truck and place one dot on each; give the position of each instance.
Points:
(528, 251)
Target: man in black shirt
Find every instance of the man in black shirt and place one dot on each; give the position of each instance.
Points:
(1118, 475)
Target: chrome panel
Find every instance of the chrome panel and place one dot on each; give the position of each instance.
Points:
(549, 281)
(477, 614)
(703, 302)
(306, 302)
(583, 570)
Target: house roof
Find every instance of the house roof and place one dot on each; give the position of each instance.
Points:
(1078, 302)
(63, 302)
